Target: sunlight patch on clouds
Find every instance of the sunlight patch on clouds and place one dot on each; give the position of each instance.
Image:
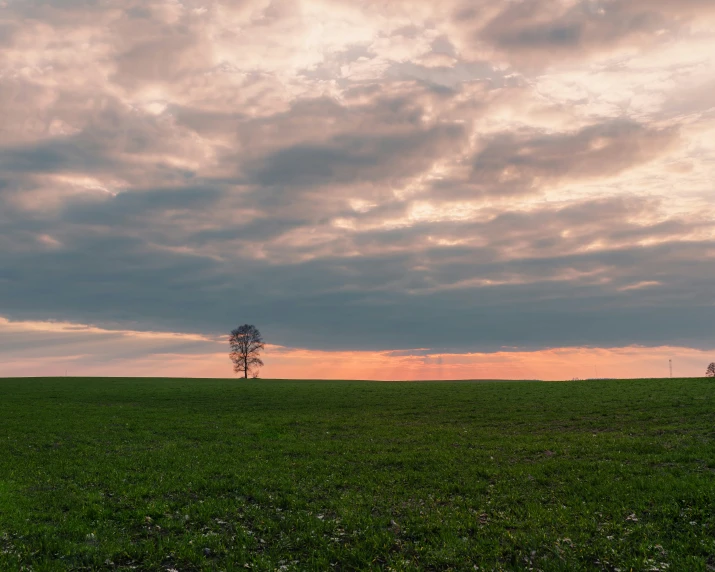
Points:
(425, 211)
(89, 183)
(361, 206)
(18, 326)
(48, 241)
(641, 285)
(51, 193)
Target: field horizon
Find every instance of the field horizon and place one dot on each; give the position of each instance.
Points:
(357, 380)
(177, 474)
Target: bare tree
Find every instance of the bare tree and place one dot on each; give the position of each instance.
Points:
(710, 372)
(246, 343)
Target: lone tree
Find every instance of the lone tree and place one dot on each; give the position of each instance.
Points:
(710, 372)
(246, 343)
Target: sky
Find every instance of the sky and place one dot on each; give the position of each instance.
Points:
(387, 190)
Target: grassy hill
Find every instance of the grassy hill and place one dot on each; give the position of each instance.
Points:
(187, 474)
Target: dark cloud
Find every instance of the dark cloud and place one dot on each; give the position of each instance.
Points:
(168, 55)
(604, 149)
(540, 32)
(347, 159)
(447, 77)
(143, 208)
(544, 25)
(7, 32)
(58, 12)
(511, 162)
(54, 156)
(530, 286)
(310, 302)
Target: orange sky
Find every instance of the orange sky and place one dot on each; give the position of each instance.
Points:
(82, 350)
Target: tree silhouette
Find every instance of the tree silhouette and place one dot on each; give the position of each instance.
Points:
(246, 343)
(710, 372)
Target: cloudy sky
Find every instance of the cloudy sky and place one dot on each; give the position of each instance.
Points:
(391, 190)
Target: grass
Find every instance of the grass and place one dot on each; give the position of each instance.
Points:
(181, 474)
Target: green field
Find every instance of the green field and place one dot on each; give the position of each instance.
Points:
(185, 474)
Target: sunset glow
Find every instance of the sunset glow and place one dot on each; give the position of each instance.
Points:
(79, 350)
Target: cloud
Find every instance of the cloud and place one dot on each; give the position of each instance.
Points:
(558, 28)
(525, 279)
(348, 159)
(519, 161)
(533, 174)
(537, 33)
